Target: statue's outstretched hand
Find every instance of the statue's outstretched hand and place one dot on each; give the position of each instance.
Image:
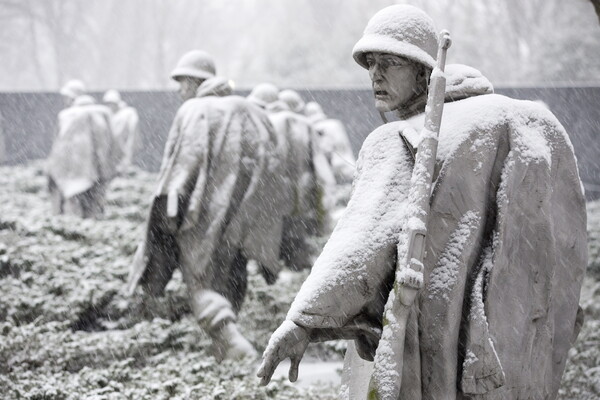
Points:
(288, 341)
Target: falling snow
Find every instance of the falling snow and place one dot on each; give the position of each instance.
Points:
(67, 331)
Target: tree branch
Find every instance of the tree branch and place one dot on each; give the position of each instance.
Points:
(596, 4)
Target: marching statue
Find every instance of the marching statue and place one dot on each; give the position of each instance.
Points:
(125, 125)
(334, 143)
(309, 175)
(84, 155)
(494, 263)
(218, 204)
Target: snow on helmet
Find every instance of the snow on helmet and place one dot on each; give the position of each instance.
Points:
(112, 96)
(263, 94)
(73, 88)
(401, 30)
(292, 99)
(195, 64)
(313, 108)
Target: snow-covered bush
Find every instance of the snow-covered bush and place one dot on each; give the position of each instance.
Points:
(68, 332)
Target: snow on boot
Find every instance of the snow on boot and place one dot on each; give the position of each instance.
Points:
(229, 343)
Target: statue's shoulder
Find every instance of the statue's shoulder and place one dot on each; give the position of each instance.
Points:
(385, 134)
(193, 107)
(83, 111)
(226, 104)
(496, 105)
(492, 109)
(67, 112)
(128, 111)
(384, 142)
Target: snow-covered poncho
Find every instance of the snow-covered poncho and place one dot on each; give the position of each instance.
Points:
(335, 145)
(125, 124)
(506, 253)
(220, 162)
(84, 152)
(306, 167)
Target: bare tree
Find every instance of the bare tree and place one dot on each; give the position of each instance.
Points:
(596, 4)
(135, 43)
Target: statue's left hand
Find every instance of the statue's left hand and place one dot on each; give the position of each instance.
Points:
(288, 341)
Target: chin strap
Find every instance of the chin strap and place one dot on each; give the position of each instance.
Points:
(383, 118)
(415, 105)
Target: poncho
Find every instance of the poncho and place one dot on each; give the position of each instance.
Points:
(505, 253)
(84, 152)
(125, 124)
(220, 162)
(306, 167)
(335, 145)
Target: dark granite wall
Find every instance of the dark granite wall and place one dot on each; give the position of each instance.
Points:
(29, 121)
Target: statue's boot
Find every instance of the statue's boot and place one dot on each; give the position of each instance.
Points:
(229, 343)
(215, 314)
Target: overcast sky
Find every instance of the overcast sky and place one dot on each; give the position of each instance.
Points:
(134, 44)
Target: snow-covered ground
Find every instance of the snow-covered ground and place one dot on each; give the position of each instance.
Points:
(312, 372)
(67, 331)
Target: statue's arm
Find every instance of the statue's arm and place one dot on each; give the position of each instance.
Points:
(288, 341)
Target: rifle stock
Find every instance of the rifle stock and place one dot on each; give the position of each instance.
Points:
(386, 379)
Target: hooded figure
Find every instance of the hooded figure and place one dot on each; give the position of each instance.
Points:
(310, 177)
(506, 238)
(125, 125)
(84, 155)
(334, 143)
(216, 204)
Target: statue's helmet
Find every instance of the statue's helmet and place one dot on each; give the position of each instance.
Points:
(312, 109)
(112, 96)
(401, 30)
(73, 88)
(263, 94)
(195, 64)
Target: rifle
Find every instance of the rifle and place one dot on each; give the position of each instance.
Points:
(386, 379)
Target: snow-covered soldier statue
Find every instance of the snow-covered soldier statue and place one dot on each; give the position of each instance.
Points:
(84, 155)
(299, 183)
(505, 248)
(125, 125)
(333, 141)
(310, 175)
(216, 204)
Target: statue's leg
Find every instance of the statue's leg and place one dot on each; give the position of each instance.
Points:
(56, 198)
(98, 199)
(92, 201)
(233, 282)
(263, 246)
(75, 206)
(295, 249)
(355, 375)
(212, 308)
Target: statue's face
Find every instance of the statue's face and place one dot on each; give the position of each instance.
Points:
(188, 87)
(114, 107)
(395, 80)
(68, 100)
